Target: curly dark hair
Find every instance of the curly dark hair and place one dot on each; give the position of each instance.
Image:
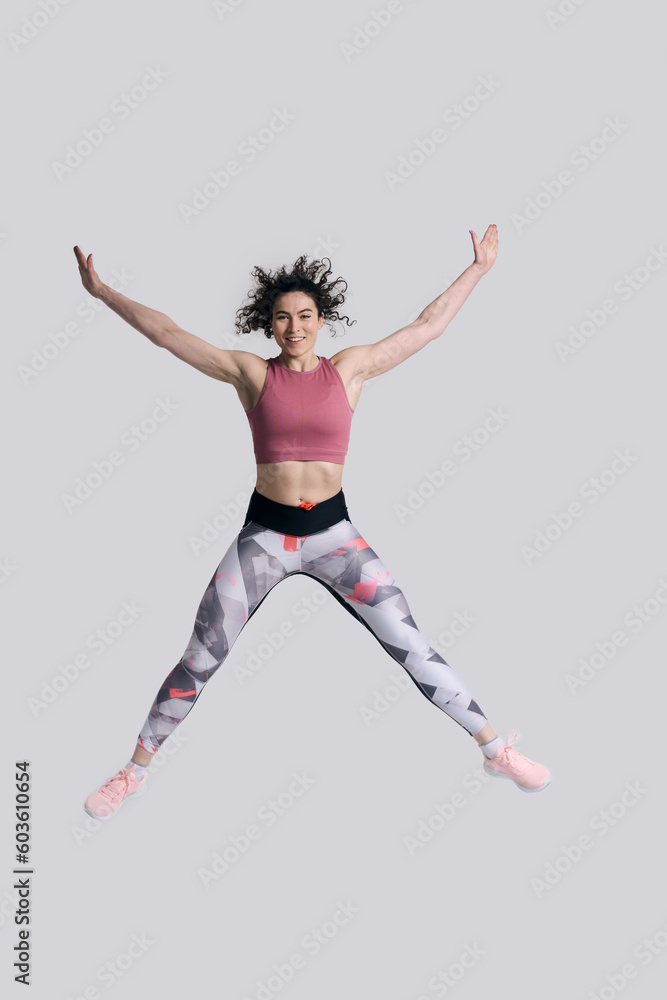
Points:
(302, 278)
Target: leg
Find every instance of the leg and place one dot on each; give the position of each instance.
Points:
(485, 735)
(344, 562)
(254, 563)
(141, 756)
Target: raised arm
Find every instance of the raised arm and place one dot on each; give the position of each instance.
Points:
(226, 366)
(370, 360)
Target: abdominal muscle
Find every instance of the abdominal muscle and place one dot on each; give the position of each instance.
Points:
(295, 482)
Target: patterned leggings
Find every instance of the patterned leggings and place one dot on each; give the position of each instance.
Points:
(344, 563)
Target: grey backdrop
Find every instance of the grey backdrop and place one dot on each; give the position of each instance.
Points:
(551, 124)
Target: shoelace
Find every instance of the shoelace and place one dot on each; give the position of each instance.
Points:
(113, 787)
(515, 759)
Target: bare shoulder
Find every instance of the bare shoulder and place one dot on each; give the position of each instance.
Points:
(251, 369)
(235, 367)
(350, 365)
(250, 366)
(350, 362)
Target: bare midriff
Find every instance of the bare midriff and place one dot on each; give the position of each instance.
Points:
(294, 483)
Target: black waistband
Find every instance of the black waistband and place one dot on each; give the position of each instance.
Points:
(296, 520)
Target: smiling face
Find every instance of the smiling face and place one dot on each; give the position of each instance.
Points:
(295, 324)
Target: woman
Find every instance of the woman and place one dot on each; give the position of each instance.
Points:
(300, 407)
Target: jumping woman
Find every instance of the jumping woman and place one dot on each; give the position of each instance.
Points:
(300, 407)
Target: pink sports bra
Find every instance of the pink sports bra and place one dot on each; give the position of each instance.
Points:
(301, 416)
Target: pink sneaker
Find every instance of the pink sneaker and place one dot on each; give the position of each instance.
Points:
(509, 763)
(108, 799)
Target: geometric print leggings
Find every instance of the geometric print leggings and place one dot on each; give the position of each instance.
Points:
(257, 560)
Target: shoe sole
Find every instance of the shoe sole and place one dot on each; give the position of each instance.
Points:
(135, 795)
(499, 774)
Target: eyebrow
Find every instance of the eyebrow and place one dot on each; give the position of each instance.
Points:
(286, 311)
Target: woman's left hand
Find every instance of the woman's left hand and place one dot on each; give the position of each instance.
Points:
(485, 252)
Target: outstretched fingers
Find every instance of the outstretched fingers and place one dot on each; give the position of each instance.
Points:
(81, 258)
(485, 251)
(492, 234)
(89, 277)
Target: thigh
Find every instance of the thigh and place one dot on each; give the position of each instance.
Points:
(341, 558)
(360, 580)
(265, 557)
(252, 565)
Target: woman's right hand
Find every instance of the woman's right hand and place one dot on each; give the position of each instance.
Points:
(89, 276)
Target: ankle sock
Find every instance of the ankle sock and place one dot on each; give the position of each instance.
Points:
(491, 748)
(139, 769)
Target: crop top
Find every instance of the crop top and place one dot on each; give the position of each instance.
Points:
(301, 416)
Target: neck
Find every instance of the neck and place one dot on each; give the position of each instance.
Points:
(305, 363)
